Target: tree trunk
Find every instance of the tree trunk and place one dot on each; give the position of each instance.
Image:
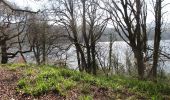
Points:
(139, 49)
(22, 55)
(86, 40)
(157, 38)
(110, 51)
(83, 60)
(89, 67)
(78, 61)
(37, 54)
(38, 59)
(44, 49)
(44, 44)
(94, 65)
(140, 65)
(4, 56)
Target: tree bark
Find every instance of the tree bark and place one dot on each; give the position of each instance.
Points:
(139, 58)
(157, 38)
(86, 40)
(44, 48)
(37, 54)
(4, 56)
(94, 65)
(78, 61)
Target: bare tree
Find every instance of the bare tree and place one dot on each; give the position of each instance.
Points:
(97, 22)
(38, 35)
(70, 13)
(44, 38)
(157, 37)
(34, 37)
(129, 19)
(68, 18)
(12, 26)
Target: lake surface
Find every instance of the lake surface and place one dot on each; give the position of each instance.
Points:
(120, 50)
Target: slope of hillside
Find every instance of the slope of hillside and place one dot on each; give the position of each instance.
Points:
(28, 82)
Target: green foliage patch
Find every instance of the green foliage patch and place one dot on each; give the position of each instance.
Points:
(13, 67)
(86, 97)
(38, 80)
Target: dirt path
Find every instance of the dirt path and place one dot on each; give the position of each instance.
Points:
(8, 81)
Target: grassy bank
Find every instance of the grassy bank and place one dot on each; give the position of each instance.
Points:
(41, 80)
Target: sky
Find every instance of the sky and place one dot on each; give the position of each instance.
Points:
(32, 4)
(35, 6)
(150, 16)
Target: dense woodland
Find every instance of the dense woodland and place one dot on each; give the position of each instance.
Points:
(62, 24)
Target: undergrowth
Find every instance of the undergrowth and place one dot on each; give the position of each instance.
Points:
(38, 80)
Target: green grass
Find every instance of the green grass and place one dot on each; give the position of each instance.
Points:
(38, 80)
(13, 67)
(86, 97)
